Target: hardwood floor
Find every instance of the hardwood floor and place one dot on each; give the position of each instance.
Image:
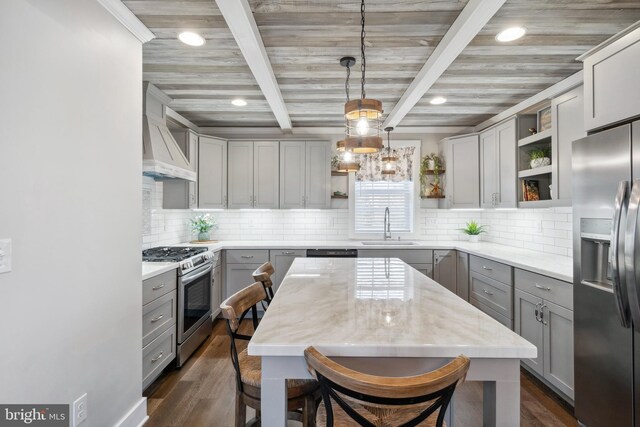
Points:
(201, 393)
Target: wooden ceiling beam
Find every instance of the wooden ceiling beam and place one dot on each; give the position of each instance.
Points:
(469, 23)
(239, 18)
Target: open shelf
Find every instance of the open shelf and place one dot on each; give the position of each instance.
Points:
(538, 204)
(535, 172)
(538, 137)
(432, 197)
(432, 172)
(339, 197)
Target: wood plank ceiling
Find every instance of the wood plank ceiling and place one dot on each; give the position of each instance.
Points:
(305, 39)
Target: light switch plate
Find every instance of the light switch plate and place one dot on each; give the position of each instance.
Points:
(5, 255)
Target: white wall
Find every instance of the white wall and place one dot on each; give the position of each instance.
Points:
(70, 166)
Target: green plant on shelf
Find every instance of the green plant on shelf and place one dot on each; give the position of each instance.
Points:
(540, 157)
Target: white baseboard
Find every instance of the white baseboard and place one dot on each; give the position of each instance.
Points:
(137, 416)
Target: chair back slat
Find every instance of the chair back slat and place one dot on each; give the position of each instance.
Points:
(237, 304)
(263, 275)
(381, 397)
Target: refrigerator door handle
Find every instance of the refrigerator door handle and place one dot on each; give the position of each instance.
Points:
(630, 291)
(618, 279)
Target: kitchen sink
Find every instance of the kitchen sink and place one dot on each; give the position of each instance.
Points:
(388, 242)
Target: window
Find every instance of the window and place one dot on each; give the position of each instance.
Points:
(371, 199)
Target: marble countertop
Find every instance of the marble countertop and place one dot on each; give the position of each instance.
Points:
(556, 266)
(366, 307)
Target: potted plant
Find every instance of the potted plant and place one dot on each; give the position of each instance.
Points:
(202, 225)
(473, 230)
(540, 157)
(335, 161)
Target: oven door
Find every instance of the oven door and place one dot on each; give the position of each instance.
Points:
(194, 300)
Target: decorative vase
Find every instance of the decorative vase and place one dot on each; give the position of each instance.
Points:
(537, 163)
(474, 238)
(203, 236)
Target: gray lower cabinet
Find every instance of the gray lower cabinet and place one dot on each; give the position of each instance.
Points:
(444, 268)
(491, 288)
(282, 260)
(462, 276)
(239, 267)
(159, 314)
(420, 259)
(541, 320)
(527, 325)
(216, 288)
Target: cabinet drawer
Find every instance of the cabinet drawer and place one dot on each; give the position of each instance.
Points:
(157, 316)
(157, 355)
(410, 256)
(159, 285)
(487, 310)
(241, 256)
(556, 291)
(492, 293)
(492, 269)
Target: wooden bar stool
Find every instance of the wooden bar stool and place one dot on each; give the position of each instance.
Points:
(303, 395)
(353, 398)
(263, 275)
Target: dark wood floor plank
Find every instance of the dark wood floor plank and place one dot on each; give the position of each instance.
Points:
(201, 393)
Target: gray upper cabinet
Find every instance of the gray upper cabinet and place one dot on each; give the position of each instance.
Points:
(488, 168)
(611, 84)
(318, 175)
(241, 171)
(178, 193)
(444, 268)
(498, 146)
(212, 173)
(292, 174)
(506, 138)
(305, 175)
(567, 113)
(266, 189)
(462, 180)
(253, 174)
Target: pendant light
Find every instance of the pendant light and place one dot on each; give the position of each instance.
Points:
(348, 162)
(363, 117)
(389, 162)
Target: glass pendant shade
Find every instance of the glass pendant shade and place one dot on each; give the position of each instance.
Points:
(363, 119)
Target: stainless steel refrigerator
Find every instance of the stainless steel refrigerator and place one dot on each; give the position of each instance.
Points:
(606, 249)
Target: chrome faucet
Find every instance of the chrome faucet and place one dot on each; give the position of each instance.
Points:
(387, 224)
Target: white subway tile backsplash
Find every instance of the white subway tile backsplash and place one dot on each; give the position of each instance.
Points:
(544, 230)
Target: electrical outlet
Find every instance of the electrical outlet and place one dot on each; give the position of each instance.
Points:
(5, 255)
(79, 410)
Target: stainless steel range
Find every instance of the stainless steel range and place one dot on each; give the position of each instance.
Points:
(194, 293)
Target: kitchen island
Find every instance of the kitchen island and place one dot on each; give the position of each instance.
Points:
(378, 315)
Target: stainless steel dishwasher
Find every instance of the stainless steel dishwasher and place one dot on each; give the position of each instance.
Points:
(332, 253)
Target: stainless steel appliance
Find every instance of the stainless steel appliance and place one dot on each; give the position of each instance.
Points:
(332, 253)
(606, 247)
(194, 294)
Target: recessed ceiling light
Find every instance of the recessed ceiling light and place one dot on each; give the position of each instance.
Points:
(438, 100)
(511, 34)
(192, 39)
(239, 102)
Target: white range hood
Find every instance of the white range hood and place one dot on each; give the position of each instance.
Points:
(162, 157)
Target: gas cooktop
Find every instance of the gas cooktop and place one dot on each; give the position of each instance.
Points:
(171, 253)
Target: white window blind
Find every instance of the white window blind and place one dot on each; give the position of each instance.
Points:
(371, 199)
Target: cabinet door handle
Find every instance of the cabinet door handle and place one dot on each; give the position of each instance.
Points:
(537, 311)
(487, 268)
(288, 253)
(542, 307)
(160, 286)
(158, 357)
(487, 292)
(246, 256)
(544, 288)
(155, 319)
